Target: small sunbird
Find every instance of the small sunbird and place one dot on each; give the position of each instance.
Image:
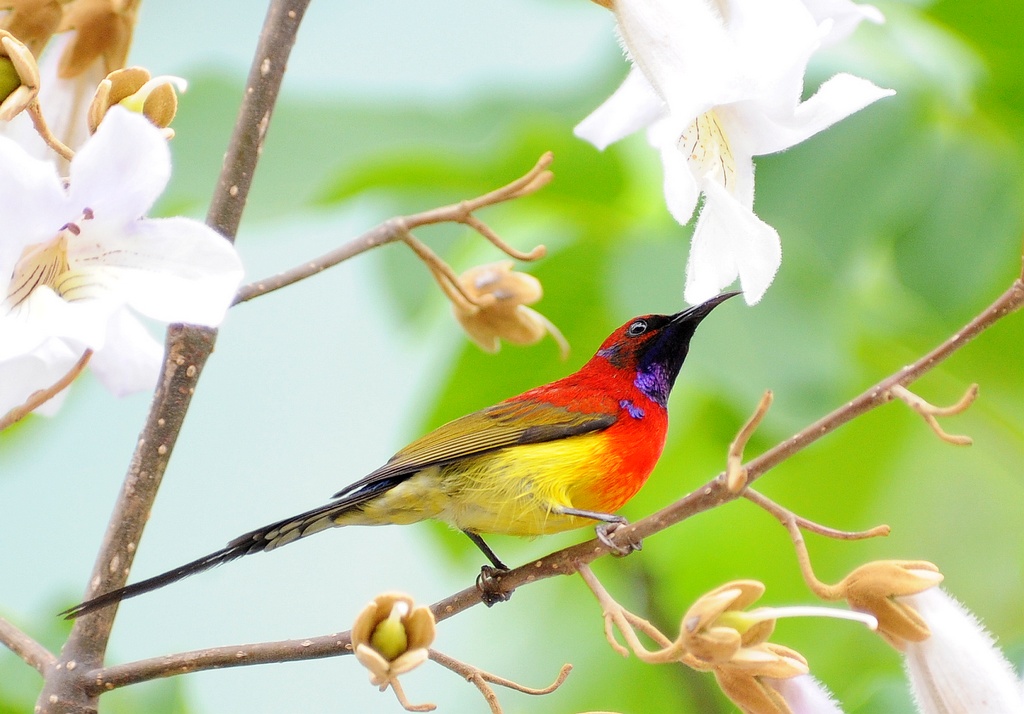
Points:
(553, 458)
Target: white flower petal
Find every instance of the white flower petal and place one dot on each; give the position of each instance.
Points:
(633, 106)
(730, 241)
(843, 17)
(32, 205)
(836, 99)
(958, 668)
(773, 41)
(130, 361)
(121, 171)
(683, 50)
(44, 314)
(805, 695)
(170, 269)
(65, 102)
(32, 371)
(680, 185)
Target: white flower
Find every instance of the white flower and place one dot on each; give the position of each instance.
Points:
(805, 695)
(76, 255)
(717, 84)
(958, 668)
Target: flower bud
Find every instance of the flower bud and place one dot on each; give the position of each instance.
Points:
(136, 90)
(501, 295)
(19, 76)
(103, 32)
(875, 587)
(391, 636)
(33, 22)
(709, 631)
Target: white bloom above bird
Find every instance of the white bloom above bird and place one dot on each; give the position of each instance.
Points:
(715, 84)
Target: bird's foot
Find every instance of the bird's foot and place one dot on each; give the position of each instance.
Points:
(604, 532)
(488, 582)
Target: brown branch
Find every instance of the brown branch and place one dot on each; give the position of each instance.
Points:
(569, 560)
(41, 396)
(266, 74)
(30, 651)
(65, 690)
(398, 228)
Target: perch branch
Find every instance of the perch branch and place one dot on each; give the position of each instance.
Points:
(569, 560)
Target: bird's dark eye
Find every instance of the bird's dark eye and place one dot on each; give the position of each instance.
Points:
(636, 329)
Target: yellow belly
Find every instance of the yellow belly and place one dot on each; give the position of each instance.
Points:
(512, 491)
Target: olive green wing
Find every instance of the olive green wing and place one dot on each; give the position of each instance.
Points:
(498, 427)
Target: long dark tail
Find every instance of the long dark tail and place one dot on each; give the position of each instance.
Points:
(257, 541)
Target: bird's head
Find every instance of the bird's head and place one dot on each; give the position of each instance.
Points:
(655, 346)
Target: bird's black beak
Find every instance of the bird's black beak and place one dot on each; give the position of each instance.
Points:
(663, 356)
(693, 315)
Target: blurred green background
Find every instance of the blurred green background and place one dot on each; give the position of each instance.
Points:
(898, 225)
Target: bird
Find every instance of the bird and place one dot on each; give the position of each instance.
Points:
(554, 458)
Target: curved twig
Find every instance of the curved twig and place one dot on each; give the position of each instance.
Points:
(785, 515)
(482, 680)
(41, 396)
(929, 411)
(399, 228)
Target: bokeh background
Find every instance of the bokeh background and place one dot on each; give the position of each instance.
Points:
(898, 225)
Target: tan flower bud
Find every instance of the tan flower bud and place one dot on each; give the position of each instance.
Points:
(744, 680)
(103, 31)
(874, 587)
(19, 76)
(391, 636)
(501, 296)
(135, 89)
(711, 635)
(33, 22)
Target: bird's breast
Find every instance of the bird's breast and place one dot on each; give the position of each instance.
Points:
(518, 490)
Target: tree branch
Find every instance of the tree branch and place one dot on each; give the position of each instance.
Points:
(398, 228)
(569, 560)
(187, 349)
(25, 647)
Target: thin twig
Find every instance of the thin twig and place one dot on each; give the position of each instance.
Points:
(785, 515)
(396, 687)
(41, 396)
(442, 272)
(481, 679)
(735, 474)
(398, 228)
(929, 411)
(35, 112)
(30, 651)
(569, 560)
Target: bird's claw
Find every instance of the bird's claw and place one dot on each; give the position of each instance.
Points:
(604, 532)
(488, 582)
